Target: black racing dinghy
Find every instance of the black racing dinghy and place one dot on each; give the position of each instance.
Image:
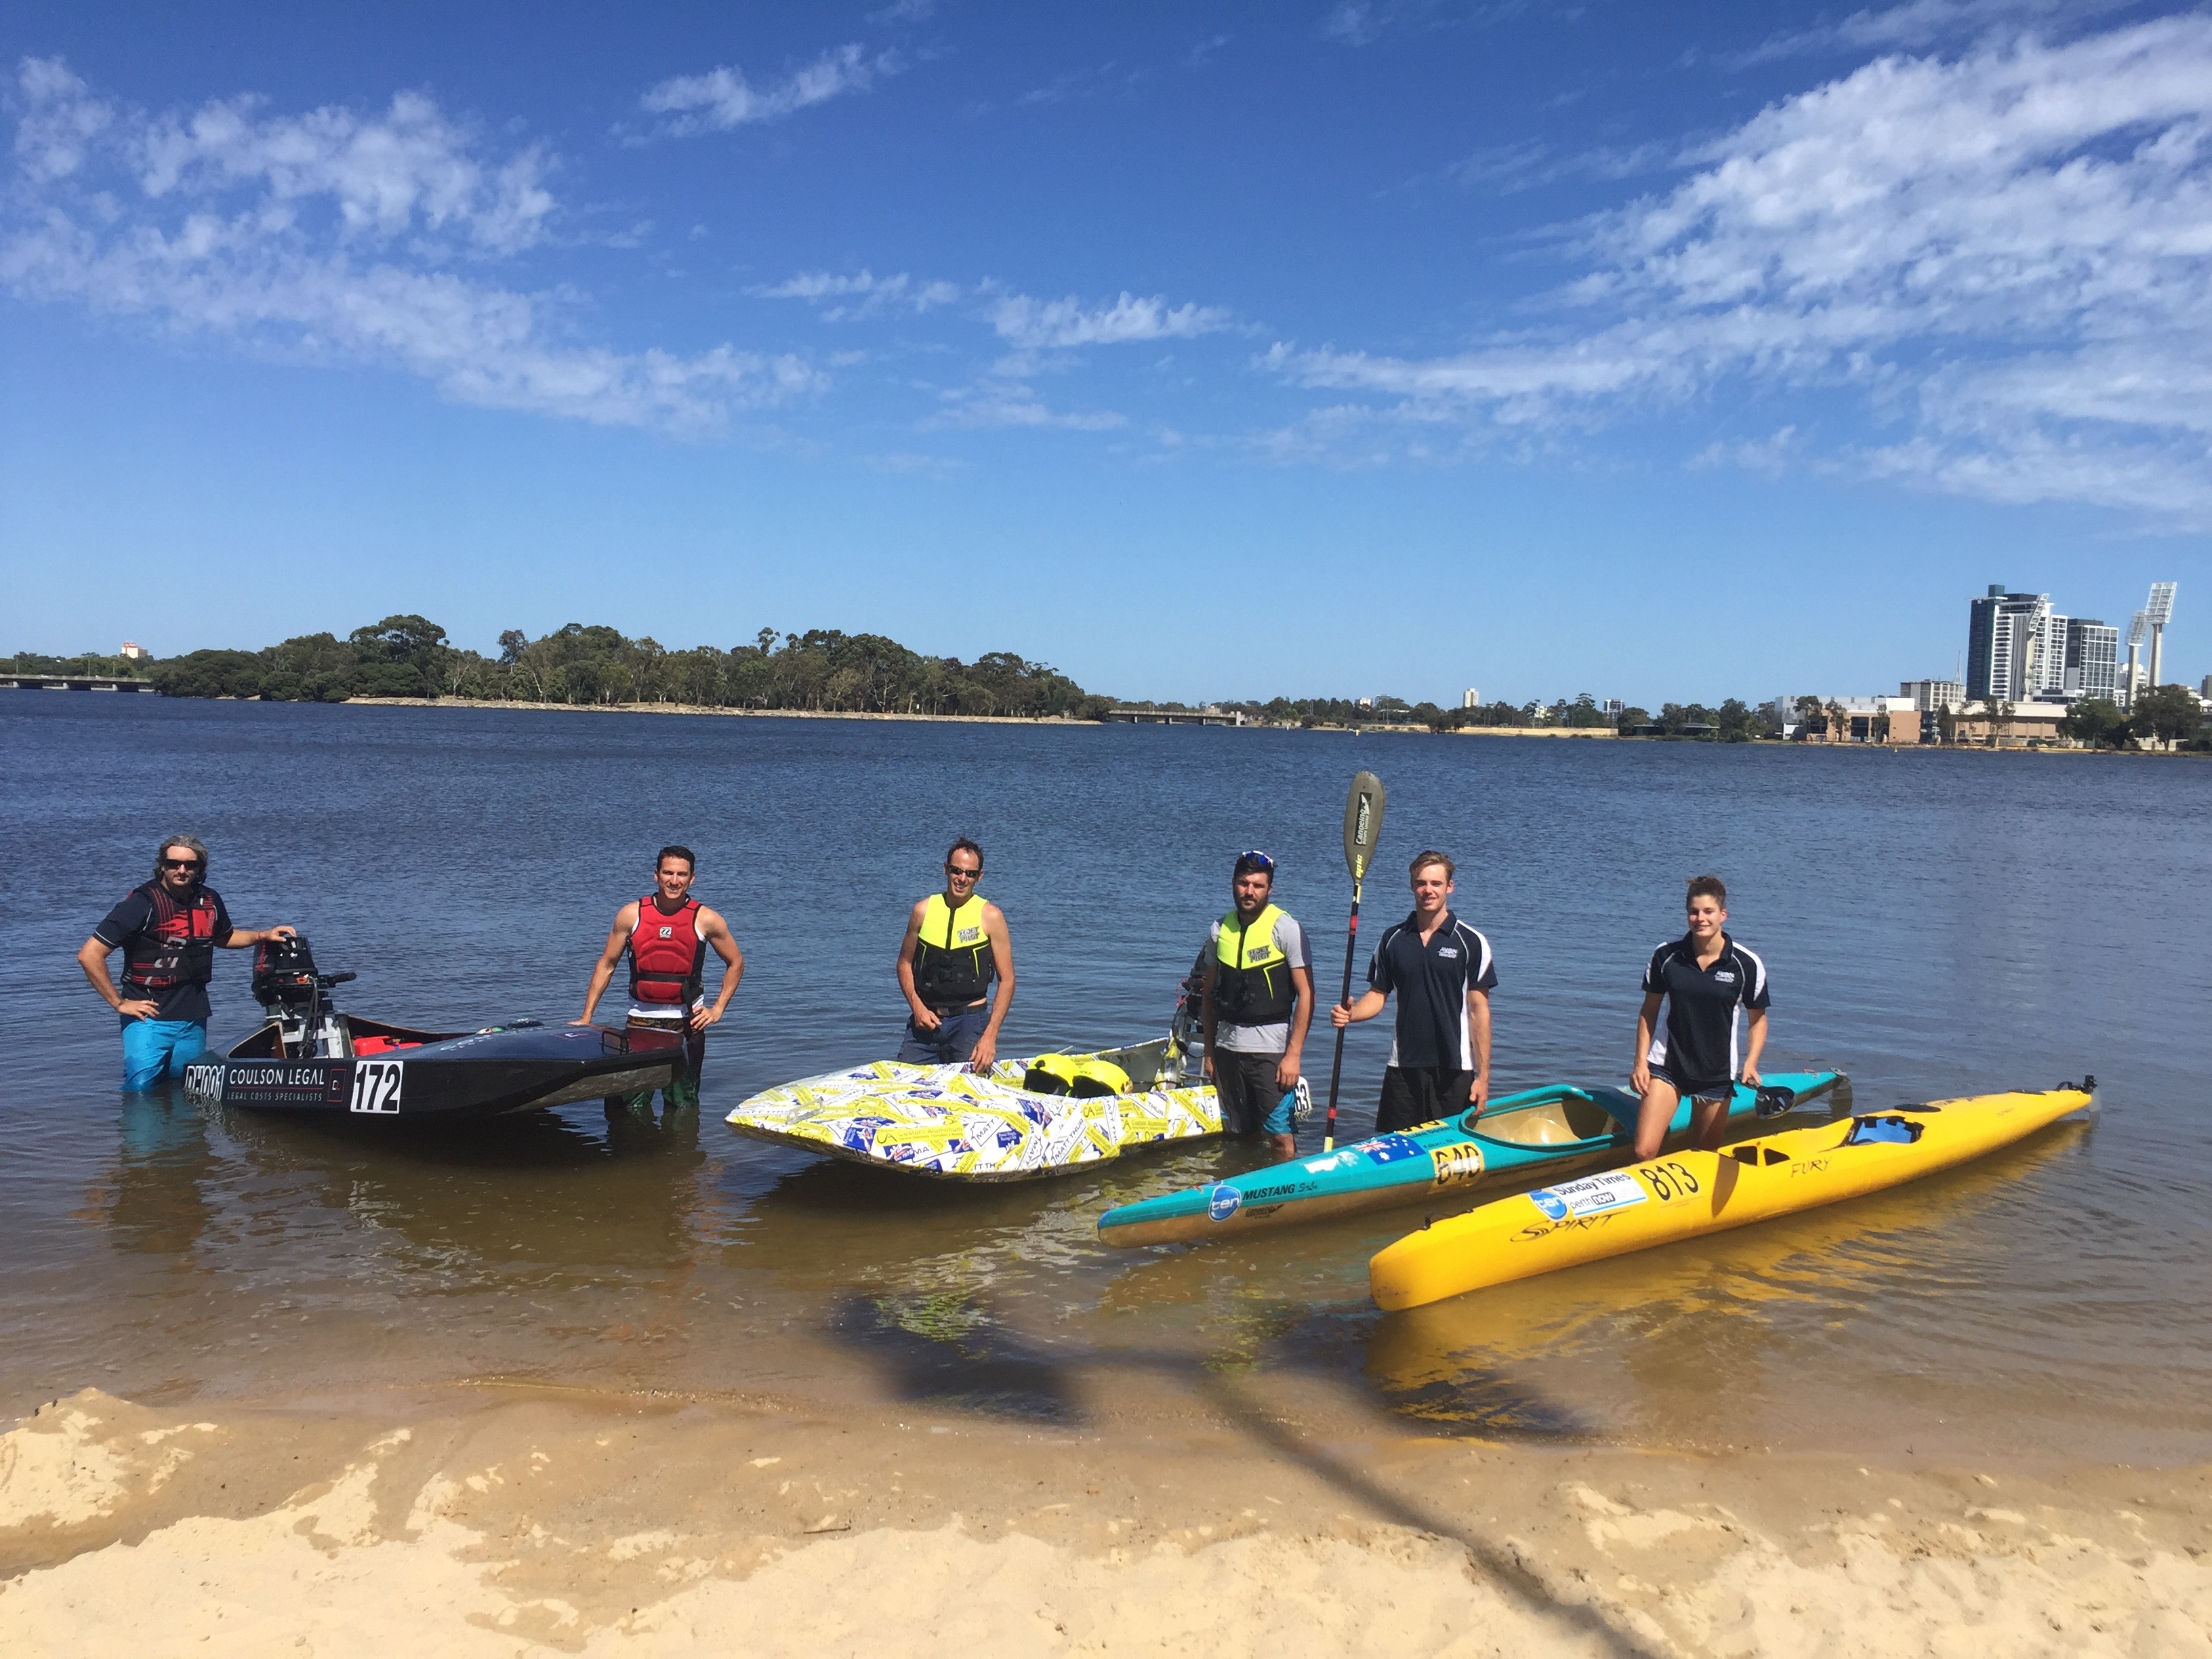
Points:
(310, 1058)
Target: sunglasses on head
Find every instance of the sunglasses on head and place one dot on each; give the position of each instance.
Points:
(1248, 862)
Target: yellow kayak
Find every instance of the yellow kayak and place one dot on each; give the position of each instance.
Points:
(1683, 1194)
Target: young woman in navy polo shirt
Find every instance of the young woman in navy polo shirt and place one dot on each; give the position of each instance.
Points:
(1702, 978)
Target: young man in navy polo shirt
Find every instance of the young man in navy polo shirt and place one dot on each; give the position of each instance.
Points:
(1443, 972)
(1702, 977)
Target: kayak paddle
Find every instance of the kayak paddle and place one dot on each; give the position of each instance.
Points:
(1362, 825)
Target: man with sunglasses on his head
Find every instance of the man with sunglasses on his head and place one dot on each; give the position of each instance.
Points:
(1259, 1001)
(956, 944)
(168, 931)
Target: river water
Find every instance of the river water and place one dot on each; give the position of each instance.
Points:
(1934, 925)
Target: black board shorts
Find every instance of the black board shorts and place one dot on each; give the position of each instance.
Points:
(1414, 1094)
(1246, 1085)
(1700, 1089)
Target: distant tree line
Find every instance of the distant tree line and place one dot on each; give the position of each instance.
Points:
(2167, 714)
(1734, 722)
(822, 671)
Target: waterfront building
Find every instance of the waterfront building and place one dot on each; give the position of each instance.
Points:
(2030, 724)
(2091, 660)
(2008, 644)
(1470, 698)
(1929, 695)
(1871, 720)
(133, 650)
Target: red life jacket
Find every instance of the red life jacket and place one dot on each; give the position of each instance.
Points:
(667, 958)
(176, 947)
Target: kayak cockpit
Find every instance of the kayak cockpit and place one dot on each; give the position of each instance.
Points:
(1567, 1116)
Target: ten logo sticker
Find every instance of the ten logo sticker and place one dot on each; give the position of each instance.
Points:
(376, 1085)
(1224, 1202)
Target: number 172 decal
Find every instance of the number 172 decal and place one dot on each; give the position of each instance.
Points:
(376, 1085)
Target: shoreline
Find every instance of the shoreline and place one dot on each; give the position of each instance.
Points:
(508, 1518)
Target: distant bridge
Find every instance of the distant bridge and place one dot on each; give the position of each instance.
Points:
(1146, 714)
(70, 683)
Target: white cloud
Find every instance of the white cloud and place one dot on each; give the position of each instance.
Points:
(722, 98)
(1009, 403)
(1931, 22)
(1050, 325)
(2011, 253)
(841, 299)
(332, 237)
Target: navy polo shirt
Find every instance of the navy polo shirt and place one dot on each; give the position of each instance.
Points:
(1432, 982)
(1697, 1041)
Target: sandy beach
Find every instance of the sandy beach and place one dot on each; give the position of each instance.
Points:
(515, 1522)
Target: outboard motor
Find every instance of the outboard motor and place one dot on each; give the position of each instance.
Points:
(286, 984)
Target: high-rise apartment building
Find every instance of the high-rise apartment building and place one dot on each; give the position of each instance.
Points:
(1928, 695)
(2009, 646)
(2092, 659)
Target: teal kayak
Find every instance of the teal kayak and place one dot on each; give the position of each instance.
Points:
(1545, 1132)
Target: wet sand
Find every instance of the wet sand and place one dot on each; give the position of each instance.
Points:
(1212, 1520)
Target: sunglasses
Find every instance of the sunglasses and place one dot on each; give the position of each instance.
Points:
(181, 864)
(1248, 862)
(953, 872)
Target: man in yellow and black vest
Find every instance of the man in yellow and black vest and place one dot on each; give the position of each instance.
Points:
(1259, 1001)
(956, 944)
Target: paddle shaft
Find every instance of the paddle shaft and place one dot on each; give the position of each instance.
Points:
(1336, 1066)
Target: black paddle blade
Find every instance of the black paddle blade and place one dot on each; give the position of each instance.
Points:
(1363, 824)
(1774, 1102)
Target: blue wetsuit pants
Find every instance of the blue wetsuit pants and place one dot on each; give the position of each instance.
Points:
(156, 1049)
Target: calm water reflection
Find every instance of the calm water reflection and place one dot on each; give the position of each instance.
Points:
(1935, 924)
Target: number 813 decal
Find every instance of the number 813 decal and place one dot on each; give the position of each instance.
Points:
(1667, 1180)
(376, 1085)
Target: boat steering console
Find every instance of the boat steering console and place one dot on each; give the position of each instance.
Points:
(288, 985)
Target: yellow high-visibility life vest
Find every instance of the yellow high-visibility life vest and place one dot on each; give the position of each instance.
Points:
(1252, 976)
(952, 962)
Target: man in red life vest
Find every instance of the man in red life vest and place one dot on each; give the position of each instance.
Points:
(665, 935)
(168, 931)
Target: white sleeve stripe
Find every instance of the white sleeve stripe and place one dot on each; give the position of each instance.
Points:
(1758, 982)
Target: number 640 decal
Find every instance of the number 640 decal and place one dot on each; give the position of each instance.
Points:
(1667, 1180)
(376, 1085)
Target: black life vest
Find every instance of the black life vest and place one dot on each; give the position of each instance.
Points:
(667, 958)
(1251, 975)
(955, 967)
(177, 945)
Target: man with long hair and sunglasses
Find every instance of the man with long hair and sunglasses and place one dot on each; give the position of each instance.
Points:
(956, 945)
(1258, 1003)
(168, 930)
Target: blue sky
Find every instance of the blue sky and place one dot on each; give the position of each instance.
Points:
(1659, 352)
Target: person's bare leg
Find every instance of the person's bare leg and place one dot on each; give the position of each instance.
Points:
(1659, 1103)
(1283, 1146)
(1708, 1123)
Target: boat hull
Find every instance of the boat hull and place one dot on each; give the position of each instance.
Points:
(435, 1075)
(948, 1123)
(1688, 1194)
(1545, 1131)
